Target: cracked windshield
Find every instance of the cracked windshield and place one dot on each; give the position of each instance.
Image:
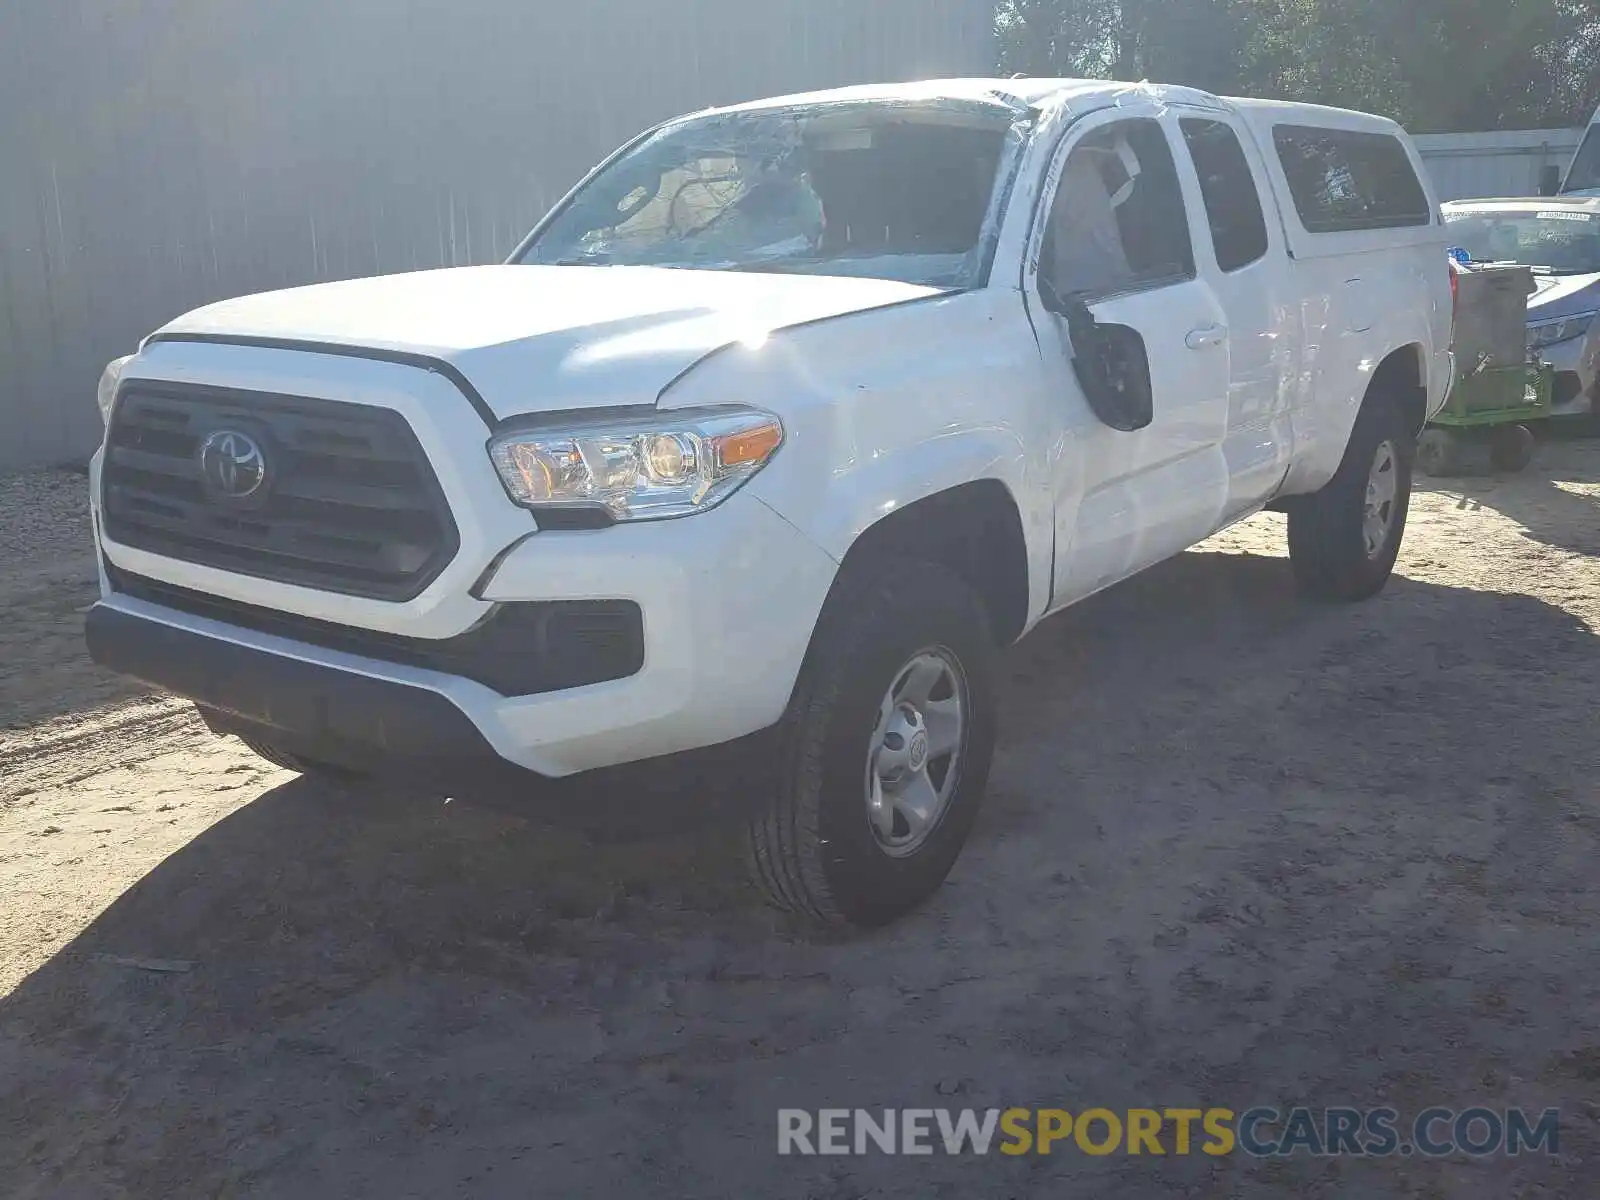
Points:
(893, 192)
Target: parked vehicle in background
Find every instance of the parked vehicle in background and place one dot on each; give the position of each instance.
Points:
(786, 419)
(1559, 238)
(1583, 176)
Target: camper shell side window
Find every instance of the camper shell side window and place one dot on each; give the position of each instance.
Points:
(1345, 180)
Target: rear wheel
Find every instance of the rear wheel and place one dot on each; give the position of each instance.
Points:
(886, 749)
(1511, 447)
(1343, 541)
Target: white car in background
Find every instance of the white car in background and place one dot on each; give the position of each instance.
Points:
(1583, 173)
(786, 419)
(1559, 237)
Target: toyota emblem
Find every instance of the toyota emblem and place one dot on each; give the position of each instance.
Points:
(232, 465)
(917, 755)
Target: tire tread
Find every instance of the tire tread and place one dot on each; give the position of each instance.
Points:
(1324, 528)
(784, 842)
(289, 761)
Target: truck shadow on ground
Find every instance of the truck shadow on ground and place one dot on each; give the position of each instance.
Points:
(388, 873)
(1555, 501)
(314, 900)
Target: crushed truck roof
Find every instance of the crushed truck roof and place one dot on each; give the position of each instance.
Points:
(1042, 92)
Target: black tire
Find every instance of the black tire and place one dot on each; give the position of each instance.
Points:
(813, 850)
(289, 761)
(1439, 452)
(1327, 538)
(1511, 447)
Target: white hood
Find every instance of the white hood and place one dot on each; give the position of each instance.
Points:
(1553, 289)
(534, 339)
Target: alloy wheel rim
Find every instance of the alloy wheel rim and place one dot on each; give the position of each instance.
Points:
(914, 757)
(1383, 490)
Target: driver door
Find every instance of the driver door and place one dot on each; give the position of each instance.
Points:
(1115, 232)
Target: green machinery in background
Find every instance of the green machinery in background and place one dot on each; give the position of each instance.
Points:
(1500, 385)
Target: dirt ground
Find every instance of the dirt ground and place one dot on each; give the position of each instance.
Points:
(1238, 850)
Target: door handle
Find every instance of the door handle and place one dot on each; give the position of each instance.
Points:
(1205, 338)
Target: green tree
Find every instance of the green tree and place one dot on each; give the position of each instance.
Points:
(1436, 65)
(1197, 41)
(1058, 37)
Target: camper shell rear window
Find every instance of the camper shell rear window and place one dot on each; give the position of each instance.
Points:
(1344, 179)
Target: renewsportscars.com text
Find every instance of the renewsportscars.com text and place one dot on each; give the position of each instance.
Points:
(1259, 1132)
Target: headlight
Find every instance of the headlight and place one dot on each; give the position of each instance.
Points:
(637, 468)
(109, 378)
(1564, 329)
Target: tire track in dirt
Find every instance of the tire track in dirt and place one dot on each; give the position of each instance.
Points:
(80, 746)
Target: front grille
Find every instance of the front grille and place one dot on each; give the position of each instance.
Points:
(523, 649)
(347, 502)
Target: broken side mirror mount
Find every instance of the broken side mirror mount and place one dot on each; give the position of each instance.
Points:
(1110, 361)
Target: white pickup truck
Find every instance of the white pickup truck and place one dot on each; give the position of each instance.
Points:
(784, 420)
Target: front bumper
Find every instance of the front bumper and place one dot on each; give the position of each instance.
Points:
(1577, 365)
(729, 599)
(317, 709)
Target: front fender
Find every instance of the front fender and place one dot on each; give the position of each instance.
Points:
(888, 480)
(886, 408)
(853, 502)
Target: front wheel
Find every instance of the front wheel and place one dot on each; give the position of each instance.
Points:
(886, 749)
(288, 760)
(1343, 541)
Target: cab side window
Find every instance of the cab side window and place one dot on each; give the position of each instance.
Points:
(1118, 223)
(1233, 205)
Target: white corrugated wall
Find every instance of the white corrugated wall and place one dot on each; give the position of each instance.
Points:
(159, 154)
(1471, 166)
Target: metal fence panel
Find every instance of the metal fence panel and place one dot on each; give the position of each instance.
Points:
(160, 154)
(1471, 166)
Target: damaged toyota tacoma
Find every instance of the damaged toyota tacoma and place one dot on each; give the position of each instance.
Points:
(786, 419)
